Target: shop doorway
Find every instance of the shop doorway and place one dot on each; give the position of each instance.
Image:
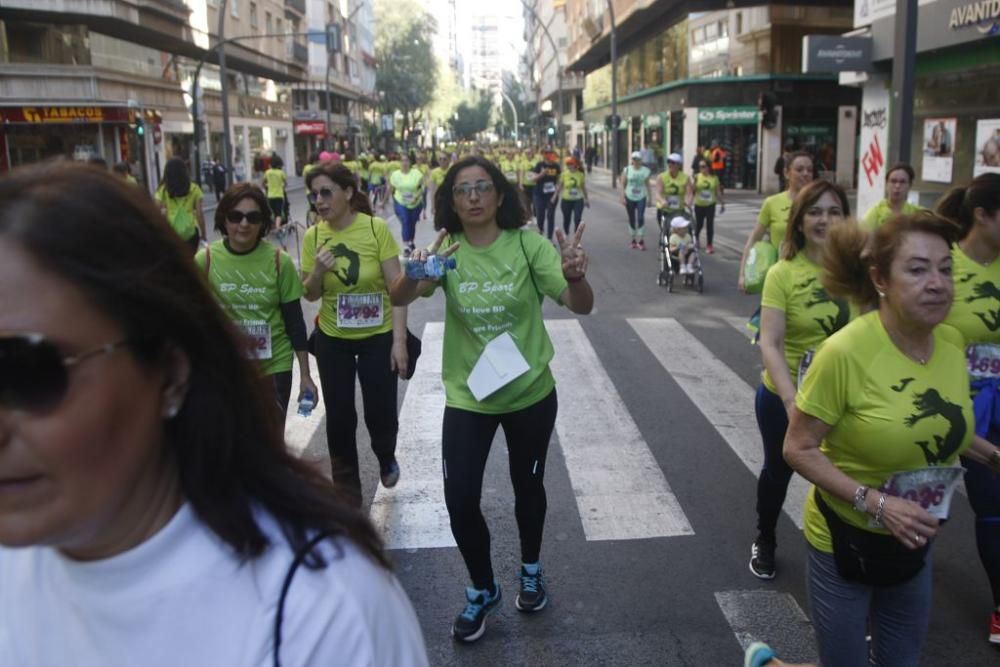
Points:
(742, 153)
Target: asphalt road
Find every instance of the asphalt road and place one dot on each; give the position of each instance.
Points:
(651, 484)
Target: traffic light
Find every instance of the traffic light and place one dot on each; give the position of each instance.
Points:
(767, 103)
(140, 128)
(552, 131)
(612, 123)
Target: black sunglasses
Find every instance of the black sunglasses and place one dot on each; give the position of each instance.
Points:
(253, 217)
(322, 193)
(34, 374)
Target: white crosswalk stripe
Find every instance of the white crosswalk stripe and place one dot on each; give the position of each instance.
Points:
(726, 401)
(771, 617)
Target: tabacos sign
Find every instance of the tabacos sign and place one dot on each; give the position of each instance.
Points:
(729, 115)
(985, 15)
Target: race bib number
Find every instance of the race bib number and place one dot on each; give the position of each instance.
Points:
(549, 188)
(983, 360)
(359, 311)
(673, 203)
(258, 338)
(511, 176)
(931, 488)
(705, 195)
(804, 364)
(408, 197)
(574, 193)
(636, 192)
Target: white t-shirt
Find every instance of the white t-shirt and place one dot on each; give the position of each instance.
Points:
(182, 598)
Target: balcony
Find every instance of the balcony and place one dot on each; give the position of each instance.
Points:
(295, 8)
(300, 53)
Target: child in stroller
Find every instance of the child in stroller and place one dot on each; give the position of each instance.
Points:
(679, 256)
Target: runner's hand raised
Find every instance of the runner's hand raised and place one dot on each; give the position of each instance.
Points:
(574, 259)
(421, 254)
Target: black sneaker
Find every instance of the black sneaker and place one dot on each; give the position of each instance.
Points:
(471, 623)
(390, 474)
(532, 596)
(762, 558)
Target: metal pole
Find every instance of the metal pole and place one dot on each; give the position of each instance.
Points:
(614, 99)
(903, 64)
(194, 117)
(555, 52)
(227, 145)
(514, 110)
(329, 127)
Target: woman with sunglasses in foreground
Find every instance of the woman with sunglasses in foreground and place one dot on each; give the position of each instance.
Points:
(496, 366)
(149, 511)
(347, 261)
(259, 288)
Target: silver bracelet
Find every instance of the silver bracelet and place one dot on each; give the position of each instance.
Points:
(878, 513)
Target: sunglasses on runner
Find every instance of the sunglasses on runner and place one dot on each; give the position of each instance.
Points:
(34, 374)
(466, 189)
(323, 193)
(253, 217)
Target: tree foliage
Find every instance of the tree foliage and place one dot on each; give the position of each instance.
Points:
(407, 69)
(471, 118)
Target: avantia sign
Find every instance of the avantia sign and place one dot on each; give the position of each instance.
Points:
(983, 14)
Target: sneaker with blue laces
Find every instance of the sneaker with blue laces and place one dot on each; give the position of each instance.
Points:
(532, 595)
(471, 623)
(758, 654)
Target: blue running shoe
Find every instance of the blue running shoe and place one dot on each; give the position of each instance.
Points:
(532, 596)
(758, 654)
(471, 623)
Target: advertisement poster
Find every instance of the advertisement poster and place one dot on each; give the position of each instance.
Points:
(939, 149)
(874, 144)
(987, 147)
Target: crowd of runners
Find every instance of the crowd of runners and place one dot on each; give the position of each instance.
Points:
(140, 440)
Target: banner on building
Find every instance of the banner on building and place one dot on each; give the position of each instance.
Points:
(939, 149)
(313, 127)
(987, 147)
(874, 145)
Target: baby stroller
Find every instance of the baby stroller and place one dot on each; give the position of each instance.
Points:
(672, 266)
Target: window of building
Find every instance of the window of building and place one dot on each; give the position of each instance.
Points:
(253, 15)
(234, 8)
(279, 27)
(739, 23)
(268, 23)
(723, 28)
(711, 31)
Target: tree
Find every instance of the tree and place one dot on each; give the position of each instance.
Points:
(447, 96)
(472, 118)
(407, 69)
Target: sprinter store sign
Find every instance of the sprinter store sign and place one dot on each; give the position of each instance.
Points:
(728, 116)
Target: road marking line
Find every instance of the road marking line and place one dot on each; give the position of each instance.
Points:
(413, 515)
(740, 324)
(726, 401)
(772, 617)
(620, 490)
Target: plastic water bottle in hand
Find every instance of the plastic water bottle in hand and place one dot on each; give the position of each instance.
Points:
(307, 404)
(432, 268)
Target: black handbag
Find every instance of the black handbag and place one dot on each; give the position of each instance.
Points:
(870, 558)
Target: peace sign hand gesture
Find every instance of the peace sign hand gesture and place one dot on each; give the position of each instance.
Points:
(574, 259)
(421, 254)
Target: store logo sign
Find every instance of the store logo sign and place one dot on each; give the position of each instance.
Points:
(728, 116)
(985, 15)
(62, 114)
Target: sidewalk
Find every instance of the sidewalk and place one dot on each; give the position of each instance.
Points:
(209, 204)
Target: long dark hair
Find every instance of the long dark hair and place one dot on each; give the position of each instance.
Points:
(176, 179)
(236, 193)
(226, 442)
(959, 204)
(512, 213)
(345, 178)
(795, 237)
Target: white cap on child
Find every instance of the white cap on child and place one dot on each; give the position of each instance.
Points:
(679, 222)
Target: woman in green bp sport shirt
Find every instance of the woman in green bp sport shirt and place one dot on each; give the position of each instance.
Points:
(494, 317)
(259, 288)
(880, 417)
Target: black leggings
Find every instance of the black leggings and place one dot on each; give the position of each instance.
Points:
(279, 386)
(465, 446)
(772, 485)
(338, 361)
(572, 209)
(545, 210)
(704, 216)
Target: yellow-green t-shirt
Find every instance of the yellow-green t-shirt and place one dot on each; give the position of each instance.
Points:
(306, 169)
(773, 217)
(510, 169)
(881, 212)
(437, 175)
(407, 187)
(492, 291)
(811, 316)
(674, 191)
(889, 413)
(377, 171)
(275, 180)
(572, 183)
(525, 165)
(352, 165)
(392, 167)
(181, 210)
(251, 287)
(705, 188)
(975, 311)
(355, 301)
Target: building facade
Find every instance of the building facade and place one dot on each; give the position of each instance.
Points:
(688, 80)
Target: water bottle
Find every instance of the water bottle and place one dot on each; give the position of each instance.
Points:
(307, 404)
(433, 268)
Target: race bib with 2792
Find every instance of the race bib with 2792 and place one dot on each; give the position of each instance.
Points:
(359, 311)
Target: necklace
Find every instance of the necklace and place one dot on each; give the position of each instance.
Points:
(920, 360)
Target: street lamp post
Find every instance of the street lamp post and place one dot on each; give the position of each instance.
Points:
(614, 100)
(514, 111)
(227, 146)
(555, 52)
